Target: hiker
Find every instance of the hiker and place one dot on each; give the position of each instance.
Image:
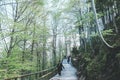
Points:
(60, 67)
(68, 59)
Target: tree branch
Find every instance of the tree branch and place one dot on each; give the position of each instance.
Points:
(101, 36)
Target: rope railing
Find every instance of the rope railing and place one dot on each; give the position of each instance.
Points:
(41, 75)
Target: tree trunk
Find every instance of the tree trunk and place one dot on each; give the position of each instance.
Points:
(33, 42)
(54, 50)
(44, 57)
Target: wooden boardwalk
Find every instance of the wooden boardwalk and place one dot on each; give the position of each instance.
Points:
(69, 73)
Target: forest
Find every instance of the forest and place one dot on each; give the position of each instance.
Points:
(36, 34)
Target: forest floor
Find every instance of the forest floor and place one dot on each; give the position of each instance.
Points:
(69, 73)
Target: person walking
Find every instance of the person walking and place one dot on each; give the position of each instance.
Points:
(68, 59)
(59, 68)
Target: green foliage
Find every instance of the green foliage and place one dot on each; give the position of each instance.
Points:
(118, 56)
(96, 66)
(75, 51)
(69, 5)
(38, 2)
(108, 32)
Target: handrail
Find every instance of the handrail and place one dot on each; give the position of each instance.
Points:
(36, 75)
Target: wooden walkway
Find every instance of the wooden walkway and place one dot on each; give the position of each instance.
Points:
(69, 73)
